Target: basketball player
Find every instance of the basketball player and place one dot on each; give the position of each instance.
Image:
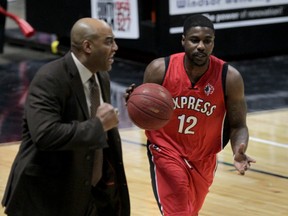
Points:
(209, 110)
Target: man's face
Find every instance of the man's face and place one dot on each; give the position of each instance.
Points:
(103, 48)
(198, 44)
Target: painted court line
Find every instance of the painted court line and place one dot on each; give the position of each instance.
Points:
(267, 142)
(230, 164)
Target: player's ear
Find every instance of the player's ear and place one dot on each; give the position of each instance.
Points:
(183, 40)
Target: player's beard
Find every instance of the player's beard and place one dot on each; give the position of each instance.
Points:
(199, 62)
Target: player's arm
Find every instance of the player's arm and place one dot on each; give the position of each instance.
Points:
(236, 108)
(237, 111)
(155, 71)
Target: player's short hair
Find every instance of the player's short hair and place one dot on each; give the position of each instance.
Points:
(197, 20)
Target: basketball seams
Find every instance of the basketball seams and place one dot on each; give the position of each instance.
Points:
(147, 111)
(138, 120)
(154, 92)
(155, 100)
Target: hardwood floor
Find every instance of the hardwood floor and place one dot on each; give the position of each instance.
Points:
(262, 191)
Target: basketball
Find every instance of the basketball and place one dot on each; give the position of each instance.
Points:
(150, 106)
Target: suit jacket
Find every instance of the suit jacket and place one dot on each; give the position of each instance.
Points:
(52, 172)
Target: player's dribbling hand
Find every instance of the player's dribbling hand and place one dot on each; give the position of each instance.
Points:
(242, 162)
(129, 90)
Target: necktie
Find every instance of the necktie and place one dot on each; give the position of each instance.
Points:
(95, 103)
(94, 96)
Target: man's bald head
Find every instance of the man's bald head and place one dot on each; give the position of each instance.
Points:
(86, 29)
(93, 44)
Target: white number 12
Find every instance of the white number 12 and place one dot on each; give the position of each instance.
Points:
(191, 120)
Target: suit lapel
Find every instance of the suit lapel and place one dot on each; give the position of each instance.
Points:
(76, 84)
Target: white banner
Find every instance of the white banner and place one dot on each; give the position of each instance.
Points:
(177, 7)
(229, 13)
(122, 15)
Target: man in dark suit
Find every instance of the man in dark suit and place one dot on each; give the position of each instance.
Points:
(52, 172)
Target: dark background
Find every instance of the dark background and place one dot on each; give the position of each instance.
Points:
(58, 16)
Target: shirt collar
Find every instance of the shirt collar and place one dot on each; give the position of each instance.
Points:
(84, 72)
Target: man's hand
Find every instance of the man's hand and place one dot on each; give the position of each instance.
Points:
(108, 115)
(242, 161)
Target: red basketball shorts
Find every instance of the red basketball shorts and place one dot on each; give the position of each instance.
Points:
(180, 186)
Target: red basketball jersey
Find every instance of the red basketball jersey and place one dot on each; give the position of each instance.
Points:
(196, 129)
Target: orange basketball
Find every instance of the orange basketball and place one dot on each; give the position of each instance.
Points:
(150, 106)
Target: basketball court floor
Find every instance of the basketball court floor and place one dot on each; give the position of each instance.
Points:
(263, 191)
